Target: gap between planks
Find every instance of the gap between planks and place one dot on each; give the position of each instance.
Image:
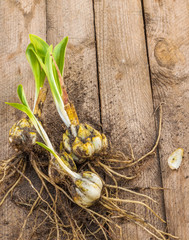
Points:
(156, 120)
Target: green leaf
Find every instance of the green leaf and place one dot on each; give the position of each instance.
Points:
(26, 110)
(22, 95)
(48, 149)
(59, 160)
(49, 70)
(59, 54)
(39, 44)
(41, 48)
(50, 76)
(38, 72)
(40, 59)
(29, 113)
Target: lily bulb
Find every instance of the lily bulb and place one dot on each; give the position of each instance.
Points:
(83, 141)
(88, 189)
(22, 135)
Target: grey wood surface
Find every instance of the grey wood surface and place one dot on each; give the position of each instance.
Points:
(123, 59)
(168, 45)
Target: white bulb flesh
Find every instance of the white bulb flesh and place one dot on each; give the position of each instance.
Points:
(93, 178)
(175, 159)
(97, 143)
(88, 189)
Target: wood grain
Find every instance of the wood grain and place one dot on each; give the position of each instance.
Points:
(126, 97)
(17, 20)
(168, 44)
(119, 71)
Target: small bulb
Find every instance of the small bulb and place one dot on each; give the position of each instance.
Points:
(88, 189)
(21, 135)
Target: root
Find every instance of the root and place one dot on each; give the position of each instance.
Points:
(39, 195)
(108, 170)
(48, 179)
(96, 220)
(57, 220)
(37, 225)
(30, 212)
(76, 230)
(156, 143)
(132, 201)
(121, 161)
(8, 164)
(54, 200)
(130, 191)
(72, 221)
(121, 213)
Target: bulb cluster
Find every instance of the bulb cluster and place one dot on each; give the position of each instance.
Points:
(83, 141)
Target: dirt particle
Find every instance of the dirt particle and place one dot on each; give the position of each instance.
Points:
(5, 222)
(147, 18)
(19, 70)
(119, 76)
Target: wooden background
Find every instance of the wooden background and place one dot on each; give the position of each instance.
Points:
(124, 57)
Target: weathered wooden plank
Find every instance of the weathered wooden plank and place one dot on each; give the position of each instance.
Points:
(17, 20)
(167, 30)
(125, 92)
(75, 20)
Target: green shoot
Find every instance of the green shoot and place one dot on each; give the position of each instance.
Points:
(59, 53)
(38, 72)
(41, 47)
(40, 50)
(54, 89)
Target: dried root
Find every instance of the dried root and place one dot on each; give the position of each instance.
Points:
(110, 201)
(9, 175)
(64, 218)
